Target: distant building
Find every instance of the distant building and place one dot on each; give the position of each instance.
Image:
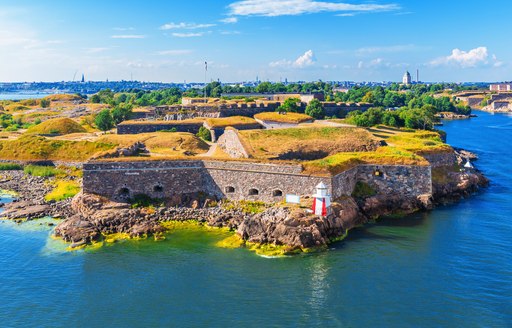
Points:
(83, 78)
(501, 87)
(407, 78)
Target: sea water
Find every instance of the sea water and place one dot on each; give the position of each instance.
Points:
(451, 267)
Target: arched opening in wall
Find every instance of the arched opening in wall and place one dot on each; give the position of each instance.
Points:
(253, 192)
(158, 188)
(124, 192)
(277, 193)
(229, 190)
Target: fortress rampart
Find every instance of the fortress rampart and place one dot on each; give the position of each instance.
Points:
(243, 180)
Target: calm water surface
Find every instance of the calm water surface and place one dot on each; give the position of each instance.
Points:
(451, 267)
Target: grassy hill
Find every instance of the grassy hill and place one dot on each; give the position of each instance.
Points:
(307, 143)
(33, 147)
(165, 143)
(404, 148)
(293, 118)
(60, 126)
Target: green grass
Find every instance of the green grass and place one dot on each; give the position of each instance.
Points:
(10, 166)
(246, 206)
(276, 143)
(284, 118)
(33, 147)
(63, 190)
(233, 121)
(41, 171)
(57, 126)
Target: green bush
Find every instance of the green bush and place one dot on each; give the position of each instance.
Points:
(143, 200)
(41, 171)
(204, 134)
(10, 166)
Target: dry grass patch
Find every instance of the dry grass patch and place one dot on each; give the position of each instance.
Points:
(306, 143)
(62, 97)
(419, 142)
(33, 147)
(167, 143)
(60, 126)
(340, 162)
(235, 121)
(294, 118)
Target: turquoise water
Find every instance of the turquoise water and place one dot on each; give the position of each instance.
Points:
(450, 267)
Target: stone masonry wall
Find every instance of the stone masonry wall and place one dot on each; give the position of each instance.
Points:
(441, 159)
(230, 143)
(128, 128)
(243, 180)
(397, 179)
(164, 179)
(344, 183)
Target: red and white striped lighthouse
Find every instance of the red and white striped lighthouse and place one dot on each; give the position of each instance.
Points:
(321, 200)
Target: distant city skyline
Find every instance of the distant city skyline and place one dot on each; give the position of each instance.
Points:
(308, 40)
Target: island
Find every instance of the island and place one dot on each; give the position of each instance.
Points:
(251, 167)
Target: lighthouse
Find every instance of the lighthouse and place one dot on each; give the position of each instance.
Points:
(321, 200)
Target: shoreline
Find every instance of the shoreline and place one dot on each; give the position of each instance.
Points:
(272, 230)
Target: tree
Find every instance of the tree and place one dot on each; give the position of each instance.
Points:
(45, 103)
(204, 134)
(95, 99)
(121, 112)
(315, 109)
(263, 87)
(104, 120)
(289, 105)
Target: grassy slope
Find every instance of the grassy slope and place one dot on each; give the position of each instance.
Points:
(274, 143)
(283, 118)
(166, 143)
(57, 126)
(403, 148)
(31, 147)
(230, 121)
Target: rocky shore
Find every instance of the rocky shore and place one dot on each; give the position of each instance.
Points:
(89, 218)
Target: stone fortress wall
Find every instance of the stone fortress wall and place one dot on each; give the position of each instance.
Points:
(239, 180)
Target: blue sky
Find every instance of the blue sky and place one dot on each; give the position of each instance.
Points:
(273, 39)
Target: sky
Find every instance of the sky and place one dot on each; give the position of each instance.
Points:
(274, 40)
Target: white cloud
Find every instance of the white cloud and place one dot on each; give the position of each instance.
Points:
(188, 35)
(174, 52)
(467, 59)
(496, 63)
(305, 60)
(229, 20)
(184, 26)
(299, 7)
(128, 36)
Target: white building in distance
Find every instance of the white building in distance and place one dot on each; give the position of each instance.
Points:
(407, 78)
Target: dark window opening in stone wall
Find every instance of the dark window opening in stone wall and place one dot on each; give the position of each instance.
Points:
(158, 188)
(124, 192)
(378, 173)
(230, 189)
(253, 192)
(277, 193)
